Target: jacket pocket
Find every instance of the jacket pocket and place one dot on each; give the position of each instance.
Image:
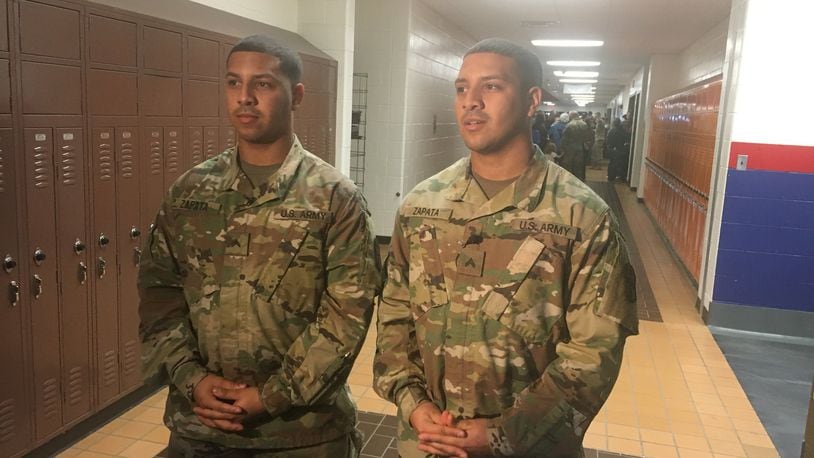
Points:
(524, 316)
(427, 283)
(281, 259)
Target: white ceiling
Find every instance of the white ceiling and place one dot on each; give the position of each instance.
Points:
(631, 29)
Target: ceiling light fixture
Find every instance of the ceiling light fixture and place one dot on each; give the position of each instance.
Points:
(573, 63)
(577, 81)
(575, 74)
(568, 43)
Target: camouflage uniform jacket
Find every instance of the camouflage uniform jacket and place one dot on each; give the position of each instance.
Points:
(575, 138)
(513, 309)
(271, 286)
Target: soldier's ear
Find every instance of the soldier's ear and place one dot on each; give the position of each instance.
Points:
(297, 94)
(535, 96)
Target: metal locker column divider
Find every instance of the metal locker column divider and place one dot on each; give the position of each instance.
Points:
(129, 248)
(74, 270)
(42, 278)
(105, 257)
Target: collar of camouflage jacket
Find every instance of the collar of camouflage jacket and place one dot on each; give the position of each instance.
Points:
(524, 194)
(276, 187)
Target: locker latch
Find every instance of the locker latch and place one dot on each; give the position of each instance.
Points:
(39, 256)
(134, 232)
(101, 265)
(83, 272)
(9, 263)
(103, 240)
(37, 286)
(14, 292)
(136, 255)
(78, 246)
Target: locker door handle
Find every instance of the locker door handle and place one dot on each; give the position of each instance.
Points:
(83, 272)
(9, 263)
(137, 255)
(102, 267)
(14, 292)
(37, 286)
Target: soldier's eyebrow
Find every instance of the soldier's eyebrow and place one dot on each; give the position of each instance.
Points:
(254, 77)
(483, 78)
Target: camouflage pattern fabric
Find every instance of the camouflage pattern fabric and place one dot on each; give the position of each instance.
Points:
(513, 309)
(271, 286)
(574, 147)
(346, 446)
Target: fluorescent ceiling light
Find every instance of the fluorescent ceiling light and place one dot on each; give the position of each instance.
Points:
(575, 74)
(551, 104)
(577, 81)
(573, 63)
(568, 43)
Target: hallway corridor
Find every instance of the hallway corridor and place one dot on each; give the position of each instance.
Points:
(676, 396)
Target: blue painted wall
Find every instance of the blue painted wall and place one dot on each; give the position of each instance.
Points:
(766, 250)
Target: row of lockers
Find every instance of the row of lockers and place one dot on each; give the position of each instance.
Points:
(100, 111)
(687, 156)
(683, 132)
(680, 212)
(679, 166)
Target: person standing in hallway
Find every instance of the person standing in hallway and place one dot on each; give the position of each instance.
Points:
(598, 151)
(509, 292)
(257, 283)
(539, 135)
(555, 132)
(575, 145)
(618, 145)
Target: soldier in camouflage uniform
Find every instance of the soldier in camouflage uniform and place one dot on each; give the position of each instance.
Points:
(575, 146)
(509, 293)
(257, 283)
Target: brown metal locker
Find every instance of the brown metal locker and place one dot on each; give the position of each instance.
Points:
(5, 87)
(173, 155)
(203, 57)
(39, 80)
(201, 99)
(128, 243)
(42, 280)
(47, 30)
(152, 173)
(160, 96)
(227, 137)
(112, 41)
(15, 433)
(3, 25)
(72, 256)
(195, 152)
(162, 50)
(104, 259)
(112, 93)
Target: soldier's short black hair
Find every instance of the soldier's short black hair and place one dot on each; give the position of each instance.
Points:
(290, 63)
(531, 71)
